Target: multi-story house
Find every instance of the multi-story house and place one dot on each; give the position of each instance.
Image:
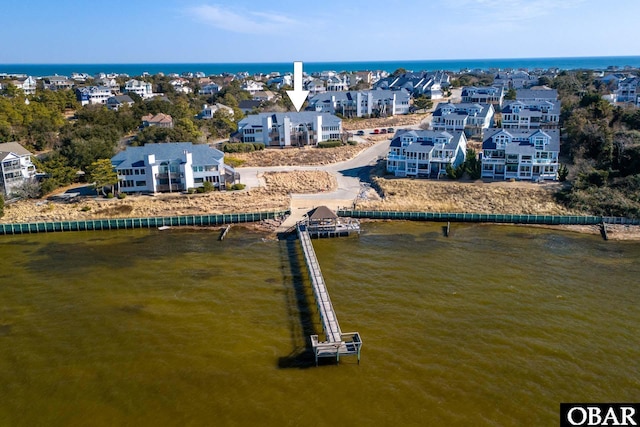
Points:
(93, 95)
(379, 103)
(483, 95)
(142, 88)
(209, 89)
(520, 154)
(422, 83)
(315, 86)
(169, 167)
(27, 84)
(337, 83)
(252, 86)
(628, 89)
(471, 118)
(57, 82)
(425, 153)
(515, 79)
(531, 114)
(290, 129)
(16, 167)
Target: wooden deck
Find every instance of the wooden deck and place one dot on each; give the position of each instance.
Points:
(336, 342)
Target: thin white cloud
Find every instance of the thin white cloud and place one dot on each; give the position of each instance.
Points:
(511, 10)
(246, 22)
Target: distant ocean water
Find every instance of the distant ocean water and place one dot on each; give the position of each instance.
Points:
(595, 63)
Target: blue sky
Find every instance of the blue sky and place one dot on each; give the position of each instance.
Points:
(140, 31)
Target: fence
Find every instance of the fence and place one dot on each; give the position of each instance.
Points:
(129, 223)
(491, 218)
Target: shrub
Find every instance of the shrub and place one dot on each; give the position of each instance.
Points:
(121, 195)
(207, 187)
(237, 187)
(191, 190)
(1, 205)
(109, 195)
(350, 142)
(329, 144)
(200, 189)
(86, 208)
(563, 171)
(233, 162)
(258, 146)
(240, 147)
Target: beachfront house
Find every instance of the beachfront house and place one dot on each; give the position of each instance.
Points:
(170, 167)
(471, 118)
(376, 103)
(483, 95)
(142, 88)
(290, 129)
(520, 154)
(93, 95)
(425, 153)
(421, 83)
(531, 114)
(16, 165)
(515, 79)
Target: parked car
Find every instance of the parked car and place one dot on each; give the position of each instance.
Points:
(376, 131)
(391, 130)
(360, 133)
(383, 131)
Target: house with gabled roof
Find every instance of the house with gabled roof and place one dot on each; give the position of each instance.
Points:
(515, 79)
(209, 89)
(142, 88)
(290, 129)
(209, 110)
(531, 114)
(379, 103)
(93, 95)
(483, 94)
(57, 82)
(170, 167)
(628, 89)
(27, 84)
(425, 153)
(471, 118)
(520, 154)
(116, 102)
(15, 167)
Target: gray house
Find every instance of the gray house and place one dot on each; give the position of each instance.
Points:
(290, 129)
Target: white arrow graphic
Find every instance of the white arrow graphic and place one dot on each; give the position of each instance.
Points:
(297, 95)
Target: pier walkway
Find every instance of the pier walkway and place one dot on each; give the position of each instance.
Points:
(336, 342)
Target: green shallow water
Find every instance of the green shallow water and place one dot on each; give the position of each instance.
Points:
(495, 326)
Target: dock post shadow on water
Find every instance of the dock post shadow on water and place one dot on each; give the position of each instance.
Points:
(298, 305)
(446, 230)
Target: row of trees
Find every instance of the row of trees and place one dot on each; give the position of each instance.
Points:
(602, 142)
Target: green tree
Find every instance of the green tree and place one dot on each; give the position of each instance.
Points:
(510, 95)
(422, 102)
(102, 174)
(472, 165)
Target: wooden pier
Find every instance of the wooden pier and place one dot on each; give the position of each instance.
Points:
(336, 342)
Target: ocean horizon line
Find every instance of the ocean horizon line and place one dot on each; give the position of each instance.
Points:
(216, 68)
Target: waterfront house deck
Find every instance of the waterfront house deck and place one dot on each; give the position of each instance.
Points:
(323, 222)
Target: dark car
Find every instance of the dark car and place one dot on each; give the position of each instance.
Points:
(360, 133)
(391, 130)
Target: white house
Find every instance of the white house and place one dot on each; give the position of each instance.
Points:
(471, 118)
(290, 129)
(16, 165)
(209, 89)
(169, 167)
(531, 114)
(628, 89)
(520, 154)
(425, 153)
(483, 94)
(181, 85)
(362, 103)
(142, 88)
(27, 84)
(93, 95)
(515, 79)
(252, 86)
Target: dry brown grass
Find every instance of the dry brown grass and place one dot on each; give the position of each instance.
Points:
(402, 120)
(306, 156)
(472, 197)
(300, 181)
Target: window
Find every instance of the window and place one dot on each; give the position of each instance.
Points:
(141, 183)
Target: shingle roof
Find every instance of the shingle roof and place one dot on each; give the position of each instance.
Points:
(299, 117)
(13, 147)
(133, 156)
